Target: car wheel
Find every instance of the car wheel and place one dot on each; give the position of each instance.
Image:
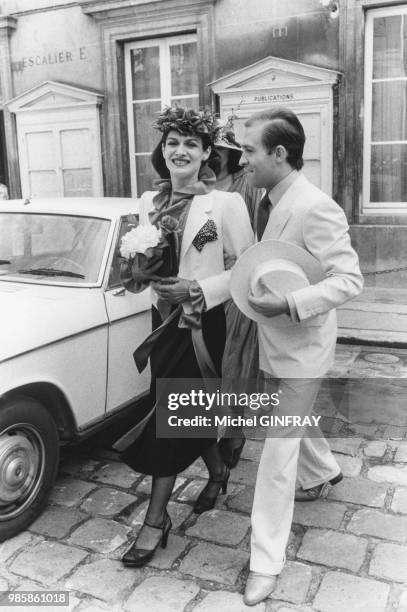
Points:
(29, 456)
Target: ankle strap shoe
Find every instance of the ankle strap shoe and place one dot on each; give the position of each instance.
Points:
(137, 557)
(207, 500)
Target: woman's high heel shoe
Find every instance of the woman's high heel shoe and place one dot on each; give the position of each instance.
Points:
(229, 452)
(137, 557)
(206, 500)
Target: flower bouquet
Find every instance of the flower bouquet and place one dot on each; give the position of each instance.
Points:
(149, 253)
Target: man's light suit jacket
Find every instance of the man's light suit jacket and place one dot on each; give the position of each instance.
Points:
(310, 219)
(235, 235)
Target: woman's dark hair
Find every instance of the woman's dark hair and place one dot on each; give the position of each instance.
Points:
(282, 127)
(233, 166)
(233, 161)
(158, 161)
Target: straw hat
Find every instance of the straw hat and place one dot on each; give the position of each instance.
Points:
(224, 140)
(272, 264)
(225, 136)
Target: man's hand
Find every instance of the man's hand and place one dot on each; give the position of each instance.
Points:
(270, 304)
(174, 290)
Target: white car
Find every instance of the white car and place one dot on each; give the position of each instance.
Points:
(68, 330)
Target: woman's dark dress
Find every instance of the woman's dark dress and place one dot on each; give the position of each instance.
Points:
(168, 456)
(173, 354)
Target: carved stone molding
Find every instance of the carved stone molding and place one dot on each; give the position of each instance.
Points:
(7, 26)
(111, 9)
(7, 22)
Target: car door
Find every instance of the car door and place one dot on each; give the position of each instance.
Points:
(129, 324)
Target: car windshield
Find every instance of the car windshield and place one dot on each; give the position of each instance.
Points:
(51, 247)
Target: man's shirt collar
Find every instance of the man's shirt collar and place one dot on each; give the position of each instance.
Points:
(279, 190)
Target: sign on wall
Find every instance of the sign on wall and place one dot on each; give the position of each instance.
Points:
(305, 89)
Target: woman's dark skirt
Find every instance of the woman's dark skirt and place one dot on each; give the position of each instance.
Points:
(169, 456)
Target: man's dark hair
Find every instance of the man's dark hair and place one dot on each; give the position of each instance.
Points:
(282, 127)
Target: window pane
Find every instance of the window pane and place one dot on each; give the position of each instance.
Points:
(390, 47)
(192, 102)
(389, 111)
(145, 70)
(389, 173)
(184, 69)
(70, 243)
(114, 274)
(146, 137)
(146, 174)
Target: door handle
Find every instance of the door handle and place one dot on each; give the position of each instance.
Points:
(119, 292)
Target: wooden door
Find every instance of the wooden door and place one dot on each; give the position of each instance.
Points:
(59, 161)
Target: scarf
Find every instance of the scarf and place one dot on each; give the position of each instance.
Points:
(177, 203)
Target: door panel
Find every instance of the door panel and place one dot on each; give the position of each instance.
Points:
(78, 183)
(41, 151)
(41, 155)
(75, 148)
(43, 184)
(129, 324)
(311, 122)
(60, 162)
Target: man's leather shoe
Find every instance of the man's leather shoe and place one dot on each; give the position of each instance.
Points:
(318, 492)
(258, 588)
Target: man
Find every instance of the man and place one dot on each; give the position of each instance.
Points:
(299, 353)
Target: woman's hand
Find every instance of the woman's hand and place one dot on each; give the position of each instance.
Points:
(174, 290)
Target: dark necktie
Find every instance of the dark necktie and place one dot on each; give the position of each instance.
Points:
(263, 213)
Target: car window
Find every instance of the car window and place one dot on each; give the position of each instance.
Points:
(126, 223)
(62, 248)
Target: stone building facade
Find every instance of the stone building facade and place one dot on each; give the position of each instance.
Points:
(81, 81)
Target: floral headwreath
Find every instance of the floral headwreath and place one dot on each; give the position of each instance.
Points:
(187, 120)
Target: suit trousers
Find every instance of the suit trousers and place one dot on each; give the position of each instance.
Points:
(290, 454)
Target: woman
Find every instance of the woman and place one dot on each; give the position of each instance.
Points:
(230, 176)
(210, 222)
(240, 359)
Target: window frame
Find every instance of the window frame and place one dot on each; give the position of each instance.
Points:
(368, 207)
(164, 44)
(124, 225)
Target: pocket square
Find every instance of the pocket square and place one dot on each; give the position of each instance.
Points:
(207, 233)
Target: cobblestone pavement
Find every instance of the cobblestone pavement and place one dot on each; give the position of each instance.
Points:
(347, 552)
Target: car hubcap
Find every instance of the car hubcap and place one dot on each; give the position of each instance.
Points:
(21, 468)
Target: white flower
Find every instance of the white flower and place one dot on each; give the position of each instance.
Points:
(138, 240)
